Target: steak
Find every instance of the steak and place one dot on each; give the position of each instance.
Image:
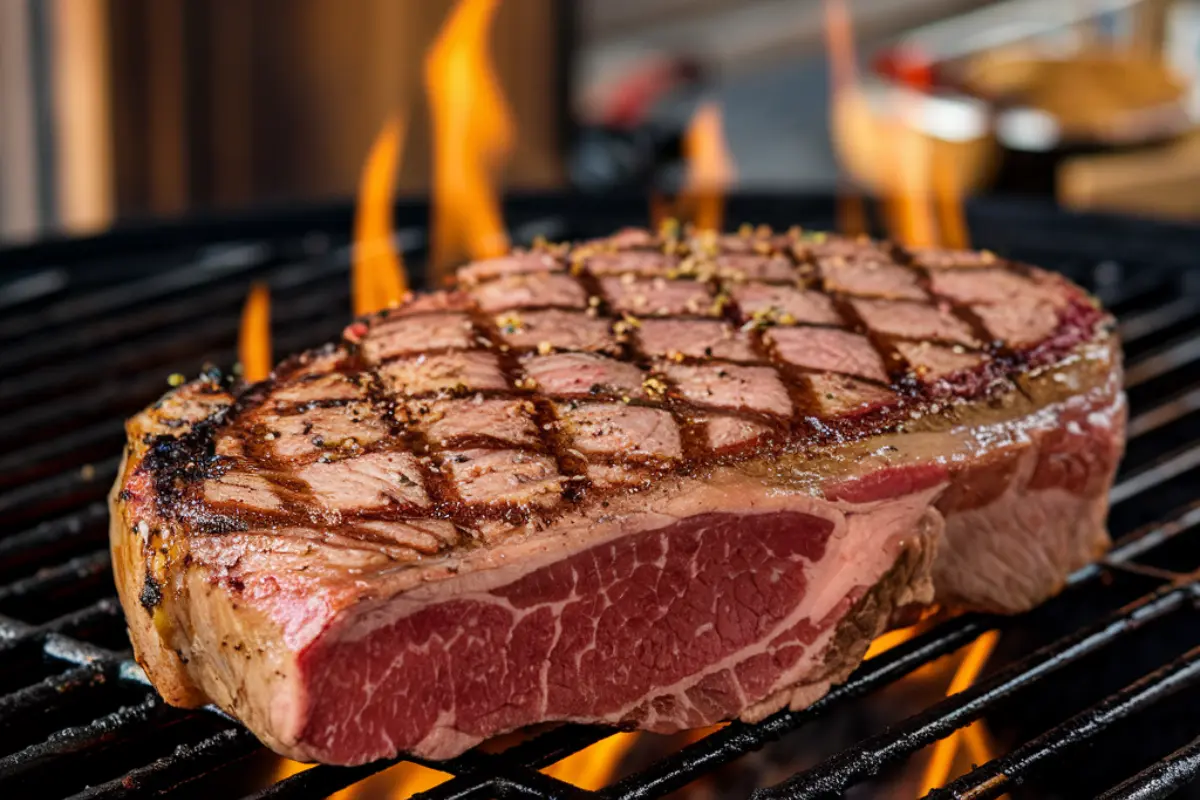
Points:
(655, 481)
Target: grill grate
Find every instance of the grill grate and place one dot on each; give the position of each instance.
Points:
(1107, 672)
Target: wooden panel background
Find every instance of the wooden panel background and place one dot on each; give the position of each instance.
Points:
(227, 103)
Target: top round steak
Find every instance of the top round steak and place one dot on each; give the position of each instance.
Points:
(655, 481)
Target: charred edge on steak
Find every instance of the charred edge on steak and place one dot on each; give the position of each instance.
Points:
(151, 594)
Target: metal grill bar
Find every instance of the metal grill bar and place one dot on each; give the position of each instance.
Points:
(194, 275)
(1160, 780)
(868, 757)
(52, 533)
(61, 575)
(998, 776)
(121, 399)
(1170, 467)
(186, 763)
(186, 304)
(61, 376)
(48, 694)
(119, 724)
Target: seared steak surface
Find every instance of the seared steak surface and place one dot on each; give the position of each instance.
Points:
(654, 480)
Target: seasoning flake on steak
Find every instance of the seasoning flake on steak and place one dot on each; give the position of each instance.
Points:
(654, 480)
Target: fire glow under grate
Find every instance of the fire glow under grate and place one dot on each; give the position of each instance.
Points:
(1094, 692)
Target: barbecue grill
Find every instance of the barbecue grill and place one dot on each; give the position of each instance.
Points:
(1092, 694)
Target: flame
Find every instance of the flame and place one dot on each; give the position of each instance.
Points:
(946, 751)
(710, 167)
(696, 734)
(472, 136)
(887, 641)
(254, 336)
(843, 77)
(396, 783)
(287, 768)
(917, 192)
(377, 277)
(949, 202)
(593, 767)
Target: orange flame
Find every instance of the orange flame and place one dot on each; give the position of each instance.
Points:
(472, 137)
(918, 190)
(594, 767)
(377, 277)
(881, 644)
(396, 783)
(949, 201)
(254, 336)
(912, 217)
(710, 167)
(843, 76)
(946, 751)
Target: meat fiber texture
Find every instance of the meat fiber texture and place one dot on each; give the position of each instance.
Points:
(654, 481)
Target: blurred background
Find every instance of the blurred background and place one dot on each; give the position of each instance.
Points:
(114, 111)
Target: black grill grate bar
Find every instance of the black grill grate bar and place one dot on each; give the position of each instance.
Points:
(109, 432)
(1161, 779)
(105, 608)
(186, 763)
(319, 781)
(19, 501)
(192, 275)
(152, 352)
(1164, 414)
(1161, 471)
(54, 531)
(1179, 353)
(54, 638)
(555, 745)
(50, 693)
(61, 645)
(1002, 774)
(193, 305)
(868, 757)
(1133, 327)
(471, 763)
(1139, 542)
(514, 783)
(58, 576)
(540, 751)
(119, 399)
(118, 725)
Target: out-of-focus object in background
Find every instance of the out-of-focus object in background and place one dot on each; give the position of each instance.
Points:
(1162, 181)
(872, 126)
(1050, 108)
(1045, 93)
(1103, 96)
(633, 128)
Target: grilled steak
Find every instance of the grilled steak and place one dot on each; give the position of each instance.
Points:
(656, 481)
